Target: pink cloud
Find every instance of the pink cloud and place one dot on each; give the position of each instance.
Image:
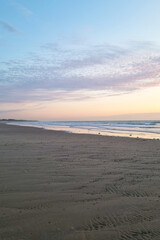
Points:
(74, 74)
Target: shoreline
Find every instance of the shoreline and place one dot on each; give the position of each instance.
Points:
(87, 132)
(62, 186)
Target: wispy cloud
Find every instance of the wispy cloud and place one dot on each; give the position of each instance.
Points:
(22, 9)
(10, 111)
(8, 27)
(89, 72)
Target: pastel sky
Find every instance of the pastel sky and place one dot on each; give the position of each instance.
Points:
(80, 59)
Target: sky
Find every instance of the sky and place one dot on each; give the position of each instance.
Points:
(80, 59)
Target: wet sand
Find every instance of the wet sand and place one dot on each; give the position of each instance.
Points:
(60, 186)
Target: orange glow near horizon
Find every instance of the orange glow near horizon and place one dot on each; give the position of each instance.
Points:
(136, 105)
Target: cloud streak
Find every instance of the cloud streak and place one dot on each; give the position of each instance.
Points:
(8, 27)
(59, 74)
(10, 111)
(23, 9)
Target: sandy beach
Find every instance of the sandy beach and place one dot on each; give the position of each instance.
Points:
(61, 186)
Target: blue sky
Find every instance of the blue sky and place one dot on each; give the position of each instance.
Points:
(79, 51)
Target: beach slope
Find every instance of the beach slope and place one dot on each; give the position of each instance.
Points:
(61, 186)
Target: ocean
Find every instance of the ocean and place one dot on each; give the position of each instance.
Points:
(140, 129)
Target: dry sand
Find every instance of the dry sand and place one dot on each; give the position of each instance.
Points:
(60, 186)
